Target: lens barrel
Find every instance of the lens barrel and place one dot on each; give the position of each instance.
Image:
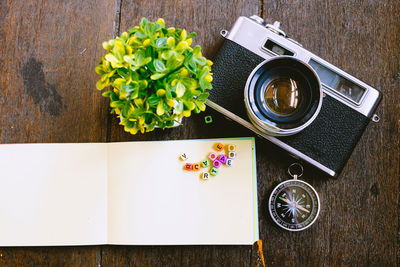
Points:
(282, 96)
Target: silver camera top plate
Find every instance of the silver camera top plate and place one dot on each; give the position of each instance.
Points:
(253, 34)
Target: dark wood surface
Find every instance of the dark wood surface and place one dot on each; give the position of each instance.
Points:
(49, 50)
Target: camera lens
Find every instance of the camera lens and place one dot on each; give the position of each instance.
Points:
(282, 96)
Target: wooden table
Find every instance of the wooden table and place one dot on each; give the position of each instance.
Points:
(49, 50)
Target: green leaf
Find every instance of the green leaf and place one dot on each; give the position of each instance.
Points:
(114, 61)
(148, 29)
(139, 57)
(155, 27)
(174, 61)
(191, 35)
(107, 94)
(189, 105)
(146, 60)
(100, 85)
(143, 23)
(201, 105)
(157, 76)
(159, 65)
(153, 100)
(129, 87)
(134, 94)
(124, 36)
(130, 60)
(99, 70)
(196, 49)
(200, 60)
(160, 108)
(203, 97)
(179, 108)
(123, 73)
(161, 43)
(180, 89)
(204, 84)
(133, 30)
(140, 35)
(119, 49)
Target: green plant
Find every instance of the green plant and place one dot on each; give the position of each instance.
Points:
(157, 77)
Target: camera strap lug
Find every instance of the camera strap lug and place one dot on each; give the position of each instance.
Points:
(224, 33)
(375, 118)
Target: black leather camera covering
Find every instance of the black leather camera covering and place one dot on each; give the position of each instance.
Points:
(330, 139)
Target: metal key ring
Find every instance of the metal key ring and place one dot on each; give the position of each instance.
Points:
(295, 176)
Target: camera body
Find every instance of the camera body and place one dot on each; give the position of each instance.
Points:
(348, 104)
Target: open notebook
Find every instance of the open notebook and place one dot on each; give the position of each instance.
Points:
(130, 193)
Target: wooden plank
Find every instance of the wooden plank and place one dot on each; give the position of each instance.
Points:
(47, 84)
(47, 90)
(206, 18)
(40, 101)
(359, 220)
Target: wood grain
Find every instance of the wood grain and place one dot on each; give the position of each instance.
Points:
(206, 18)
(47, 91)
(47, 94)
(358, 224)
(47, 80)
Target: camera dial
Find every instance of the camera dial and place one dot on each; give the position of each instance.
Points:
(259, 20)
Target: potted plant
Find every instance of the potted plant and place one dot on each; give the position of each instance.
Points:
(157, 78)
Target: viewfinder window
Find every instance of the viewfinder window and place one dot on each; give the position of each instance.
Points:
(338, 83)
(277, 49)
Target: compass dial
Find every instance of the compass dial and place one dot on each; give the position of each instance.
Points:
(294, 205)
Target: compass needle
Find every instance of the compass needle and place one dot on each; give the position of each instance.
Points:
(301, 208)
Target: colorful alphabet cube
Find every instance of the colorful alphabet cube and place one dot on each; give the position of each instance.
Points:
(222, 158)
(208, 119)
(219, 146)
(183, 156)
(214, 171)
(189, 166)
(213, 161)
(196, 166)
(205, 163)
(217, 163)
(205, 176)
(212, 156)
(229, 162)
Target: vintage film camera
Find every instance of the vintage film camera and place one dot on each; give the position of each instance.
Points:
(270, 84)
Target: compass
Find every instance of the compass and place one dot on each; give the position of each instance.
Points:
(294, 204)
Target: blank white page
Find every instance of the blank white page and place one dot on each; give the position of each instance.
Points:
(153, 201)
(53, 194)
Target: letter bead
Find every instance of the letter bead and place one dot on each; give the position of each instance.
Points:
(212, 156)
(217, 163)
(214, 171)
(196, 167)
(183, 156)
(219, 146)
(231, 148)
(205, 163)
(222, 158)
(188, 166)
(205, 176)
(229, 162)
(232, 155)
(208, 119)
